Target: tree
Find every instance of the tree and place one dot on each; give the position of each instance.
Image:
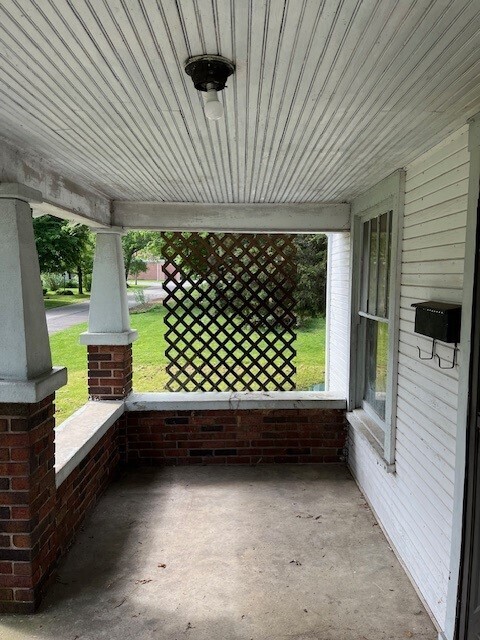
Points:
(63, 246)
(145, 242)
(312, 275)
(311, 261)
(56, 252)
(83, 240)
(137, 266)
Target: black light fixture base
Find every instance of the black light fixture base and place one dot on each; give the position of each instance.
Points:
(209, 71)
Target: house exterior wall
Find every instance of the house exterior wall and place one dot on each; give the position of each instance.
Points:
(154, 272)
(415, 503)
(338, 313)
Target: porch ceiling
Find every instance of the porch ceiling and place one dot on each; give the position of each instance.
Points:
(328, 97)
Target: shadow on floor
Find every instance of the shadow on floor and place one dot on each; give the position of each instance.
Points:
(234, 553)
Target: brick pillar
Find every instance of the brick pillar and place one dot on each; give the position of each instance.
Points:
(109, 371)
(109, 337)
(27, 503)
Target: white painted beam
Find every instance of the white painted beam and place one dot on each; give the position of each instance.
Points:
(46, 208)
(306, 217)
(62, 197)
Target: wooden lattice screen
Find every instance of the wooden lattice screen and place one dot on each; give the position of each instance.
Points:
(230, 320)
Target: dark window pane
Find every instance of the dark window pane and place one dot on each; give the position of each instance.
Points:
(365, 264)
(383, 264)
(373, 268)
(376, 356)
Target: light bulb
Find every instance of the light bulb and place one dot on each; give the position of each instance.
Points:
(213, 107)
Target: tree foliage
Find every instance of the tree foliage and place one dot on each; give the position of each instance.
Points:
(146, 243)
(63, 247)
(312, 275)
(311, 272)
(137, 266)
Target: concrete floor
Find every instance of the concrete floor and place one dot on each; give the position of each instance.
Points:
(229, 553)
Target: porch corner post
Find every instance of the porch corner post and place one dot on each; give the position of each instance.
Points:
(28, 546)
(109, 337)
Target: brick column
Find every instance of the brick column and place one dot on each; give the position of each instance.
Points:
(27, 498)
(109, 337)
(27, 386)
(109, 371)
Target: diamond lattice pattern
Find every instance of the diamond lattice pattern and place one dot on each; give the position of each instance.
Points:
(230, 320)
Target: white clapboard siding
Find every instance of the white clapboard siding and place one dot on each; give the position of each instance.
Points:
(338, 339)
(415, 503)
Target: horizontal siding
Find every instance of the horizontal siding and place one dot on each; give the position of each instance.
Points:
(415, 504)
(339, 313)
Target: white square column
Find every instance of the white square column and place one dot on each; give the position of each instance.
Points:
(109, 319)
(26, 372)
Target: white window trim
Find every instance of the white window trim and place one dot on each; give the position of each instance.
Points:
(387, 195)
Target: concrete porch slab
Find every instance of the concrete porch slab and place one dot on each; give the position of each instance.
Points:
(230, 553)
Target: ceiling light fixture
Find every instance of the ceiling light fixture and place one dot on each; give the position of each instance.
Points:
(209, 74)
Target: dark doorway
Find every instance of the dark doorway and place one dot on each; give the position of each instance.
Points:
(468, 624)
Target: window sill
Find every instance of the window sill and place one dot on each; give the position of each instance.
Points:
(369, 430)
(239, 400)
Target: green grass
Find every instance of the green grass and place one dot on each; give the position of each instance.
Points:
(67, 352)
(149, 360)
(53, 299)
(136, 287)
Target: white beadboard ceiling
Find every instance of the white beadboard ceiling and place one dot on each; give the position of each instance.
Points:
(329, 96)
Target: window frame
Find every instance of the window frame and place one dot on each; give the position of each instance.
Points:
(365, 301)
(388, 195)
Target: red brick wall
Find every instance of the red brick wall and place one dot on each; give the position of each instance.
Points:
(78, 494)
(154, 272)
(38, 522)
(27, 503)
(235, 437)
(109, 371)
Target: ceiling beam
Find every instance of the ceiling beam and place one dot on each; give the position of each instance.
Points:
(62, 197)
(306, 217)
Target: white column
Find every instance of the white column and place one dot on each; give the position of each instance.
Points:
(109, 320)
(26, 373)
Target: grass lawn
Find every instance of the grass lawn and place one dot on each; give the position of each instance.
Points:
(149, 358)
(53, 299)
(136, 287)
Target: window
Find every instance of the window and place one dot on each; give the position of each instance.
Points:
(374, 311)
(377, 223)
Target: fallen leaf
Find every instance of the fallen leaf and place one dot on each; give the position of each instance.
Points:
(162, 566)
